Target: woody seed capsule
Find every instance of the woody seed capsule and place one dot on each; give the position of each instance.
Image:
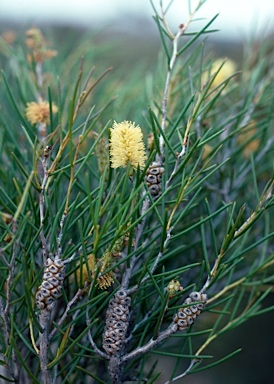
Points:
(186, 316)
(117, 318)
(51, 285)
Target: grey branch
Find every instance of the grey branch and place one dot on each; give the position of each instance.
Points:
(166, 90)
(60, 236)
(42, 209)
(44, 320)
(152, 343)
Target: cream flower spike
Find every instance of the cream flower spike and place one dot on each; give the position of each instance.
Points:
(126, 145)
(39, 112)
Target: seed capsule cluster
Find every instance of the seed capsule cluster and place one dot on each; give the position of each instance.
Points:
(186, 316)
(50, 288)
(117, 318)
(154, 178)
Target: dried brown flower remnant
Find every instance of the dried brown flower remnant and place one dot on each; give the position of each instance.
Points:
(6, 217)
(39, 112)
(104, 280)
(90, 268)
(37, 45)
(9, 36)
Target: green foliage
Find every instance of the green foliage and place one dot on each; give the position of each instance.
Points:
(211, 227)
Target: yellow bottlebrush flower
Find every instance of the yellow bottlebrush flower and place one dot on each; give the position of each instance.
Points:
(39, 112)
(126, 145)
(104, 280)
(228, 68)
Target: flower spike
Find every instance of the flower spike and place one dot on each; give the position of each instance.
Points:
(126, 145)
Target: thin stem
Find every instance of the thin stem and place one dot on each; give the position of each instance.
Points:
(44, 320)
(72, 168)
(92, 342)
(166, 90)
(42, 208)
(140, 229)
(76, 297)
(60, 236)
(5, 311)
(180, 32)
(41, 129)
(152, 343)
(155, 264)
(191, 365)
(39, 77)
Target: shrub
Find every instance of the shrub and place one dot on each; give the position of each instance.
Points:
(108, 260)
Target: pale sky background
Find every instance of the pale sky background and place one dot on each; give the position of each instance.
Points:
(237, 19)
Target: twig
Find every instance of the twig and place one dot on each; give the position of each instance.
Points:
(128, 272)
(44, 320)
(152, 343)
(144, 319)
(42, 207)
(41, 129)
(5, 311)
(156, 262)
(226, 289)
(76, 297)
(59, 238)
(72, 257)
(92, 342)
(3, 258)
(181, 31)
(39, 77)
(177, 162)
(191, 365)
(160, 158)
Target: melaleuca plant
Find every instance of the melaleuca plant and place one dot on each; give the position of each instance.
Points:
(130, 237)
